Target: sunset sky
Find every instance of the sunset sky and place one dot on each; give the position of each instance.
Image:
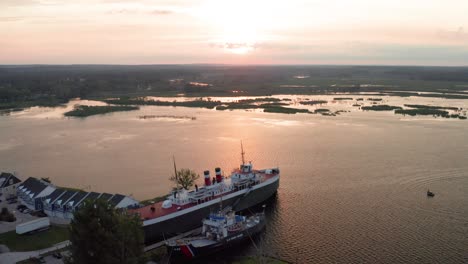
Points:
(411, 32)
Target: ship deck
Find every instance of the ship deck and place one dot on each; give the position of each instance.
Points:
(147, 213)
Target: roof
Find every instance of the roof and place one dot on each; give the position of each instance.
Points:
(92, 196)
(77, 198)
(34, 185)
(116, 199)
(7, 179)
(105, 196)
(54, 195)
(66, 196)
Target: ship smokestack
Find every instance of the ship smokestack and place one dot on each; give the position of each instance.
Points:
(207, 178)
(219, 178)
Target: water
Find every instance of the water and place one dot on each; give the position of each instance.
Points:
(353, 187)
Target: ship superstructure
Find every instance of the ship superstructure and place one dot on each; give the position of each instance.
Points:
(220, 230)
(183, 209)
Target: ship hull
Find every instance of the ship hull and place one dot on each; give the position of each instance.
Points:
(184, 222)
(188, 251)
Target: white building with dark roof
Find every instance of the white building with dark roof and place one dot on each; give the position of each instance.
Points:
(31, 190)
(8, 184)
(61, 202)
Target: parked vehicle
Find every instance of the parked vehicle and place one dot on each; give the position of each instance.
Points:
(33, 226)
(38, 213)
(21, 207)
(12, 198)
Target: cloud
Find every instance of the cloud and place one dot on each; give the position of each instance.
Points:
(161, 12)
(20, 3)
(133, 11)
(453, 35)
(236, 45)
(10, 19)
(12, 3)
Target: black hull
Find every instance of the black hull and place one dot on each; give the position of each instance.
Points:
(189, 252)
(159, 231)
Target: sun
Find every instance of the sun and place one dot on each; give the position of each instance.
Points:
(239, 26)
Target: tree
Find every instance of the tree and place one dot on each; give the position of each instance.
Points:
(185, 178)
(6, 215)
(101, 234)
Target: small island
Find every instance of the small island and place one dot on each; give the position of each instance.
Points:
(284, 110)
(380, 108)
(85, 110)
(313, 102)
(436, 111)
(142, 101)
(431, 107)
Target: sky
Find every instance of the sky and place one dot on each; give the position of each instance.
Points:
(371, 32)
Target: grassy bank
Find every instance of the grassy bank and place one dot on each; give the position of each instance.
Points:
(284, 110)
(313, 102)
(51, 102)
(422, 111)
(260, 100)
(429, 111)
(141, 101)
(434, 95)
(380, 108)
(431, 107)
(84, 110)
(35, 241)
(321, 110)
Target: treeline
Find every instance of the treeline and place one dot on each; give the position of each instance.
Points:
(51, 84)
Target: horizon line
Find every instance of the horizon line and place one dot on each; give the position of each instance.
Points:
(231, 64)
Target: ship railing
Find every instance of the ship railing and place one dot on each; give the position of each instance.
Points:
(213, 223)
(180, 201)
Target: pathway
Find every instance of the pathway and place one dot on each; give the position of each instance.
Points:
(13, 257)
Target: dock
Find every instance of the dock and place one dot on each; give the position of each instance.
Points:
(161, 243)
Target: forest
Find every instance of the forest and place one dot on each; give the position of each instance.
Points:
(49, 85)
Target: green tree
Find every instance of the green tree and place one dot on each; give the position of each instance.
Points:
(185, 178)
(101, 234)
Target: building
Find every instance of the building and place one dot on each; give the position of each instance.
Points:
(32, 190)
(62, 202)
(8, 185)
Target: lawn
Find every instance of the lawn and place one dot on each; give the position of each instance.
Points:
(35, 241)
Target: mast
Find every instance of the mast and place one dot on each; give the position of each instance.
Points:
(175, 173)
(242, 153)
(221, 204)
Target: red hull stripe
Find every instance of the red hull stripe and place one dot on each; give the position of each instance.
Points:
(187, 252)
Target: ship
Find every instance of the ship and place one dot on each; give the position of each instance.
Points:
(220, 230)
(183, 210)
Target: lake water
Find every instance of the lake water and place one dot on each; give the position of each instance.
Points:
(353, 186)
